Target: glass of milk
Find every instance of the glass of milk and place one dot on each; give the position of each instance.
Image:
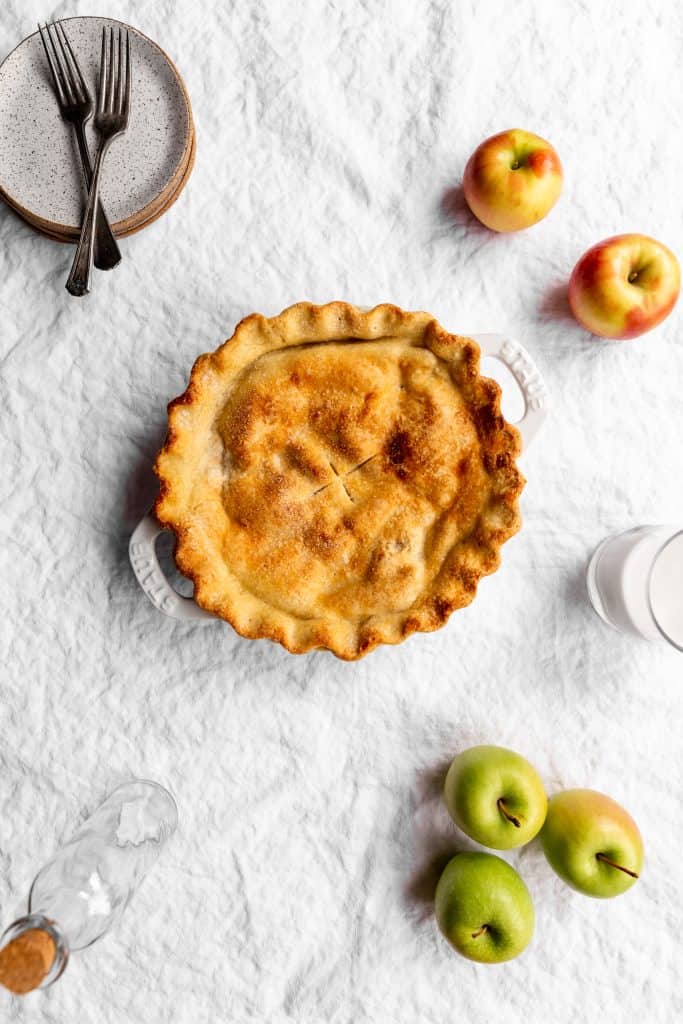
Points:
(635, 582)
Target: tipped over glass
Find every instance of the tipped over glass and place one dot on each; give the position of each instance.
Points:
(85, 887)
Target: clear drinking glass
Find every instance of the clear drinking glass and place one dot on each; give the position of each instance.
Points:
(82, 891)
(635, 582)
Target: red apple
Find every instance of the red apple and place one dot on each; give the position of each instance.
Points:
(512, 180)
(624, 286)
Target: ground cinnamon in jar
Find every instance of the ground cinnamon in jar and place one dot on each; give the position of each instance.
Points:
(26, 960)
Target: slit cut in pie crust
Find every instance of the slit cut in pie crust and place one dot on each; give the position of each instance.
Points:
(338, 478)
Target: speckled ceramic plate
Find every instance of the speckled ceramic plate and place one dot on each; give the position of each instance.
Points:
(40, 176)
(138, 226)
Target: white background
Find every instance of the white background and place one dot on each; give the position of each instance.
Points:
(331, 136)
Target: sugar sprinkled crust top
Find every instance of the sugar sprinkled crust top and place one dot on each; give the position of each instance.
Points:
(338, 478)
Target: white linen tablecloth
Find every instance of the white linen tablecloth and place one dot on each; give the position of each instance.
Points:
(332, 138)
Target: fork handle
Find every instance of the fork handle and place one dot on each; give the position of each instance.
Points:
(78, 282)
(107, 253)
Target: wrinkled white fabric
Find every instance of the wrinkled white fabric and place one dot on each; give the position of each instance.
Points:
(332, 138)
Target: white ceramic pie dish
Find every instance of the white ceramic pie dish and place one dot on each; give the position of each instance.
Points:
(142, 546)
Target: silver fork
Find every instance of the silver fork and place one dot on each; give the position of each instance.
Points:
(111, 120)
(76, 106)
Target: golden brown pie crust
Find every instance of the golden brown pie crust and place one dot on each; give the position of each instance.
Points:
(338, 478)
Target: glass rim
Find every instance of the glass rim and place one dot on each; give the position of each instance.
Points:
(660, 552)
(139, 780)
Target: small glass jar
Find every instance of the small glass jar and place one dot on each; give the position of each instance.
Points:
(82, 891)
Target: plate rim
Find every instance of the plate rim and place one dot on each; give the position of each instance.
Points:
(155, 215)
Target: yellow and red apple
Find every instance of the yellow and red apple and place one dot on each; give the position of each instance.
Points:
(512, 180)
(624, 286)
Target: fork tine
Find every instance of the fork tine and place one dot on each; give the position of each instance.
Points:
(67, 70)
(73, 63)
(112, 72)
(64, 76)
(126, 96)
(118, 98)
(101, 98)
(54, 71)
(51, 65)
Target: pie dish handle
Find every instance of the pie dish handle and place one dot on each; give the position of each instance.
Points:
(150, 575)
(528, 377)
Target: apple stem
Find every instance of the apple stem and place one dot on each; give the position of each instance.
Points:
(606, 860)
(506, 814)
(480, 931)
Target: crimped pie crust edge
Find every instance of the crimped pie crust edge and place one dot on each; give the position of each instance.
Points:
(470, 559)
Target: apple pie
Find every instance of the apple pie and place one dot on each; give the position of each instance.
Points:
(338, 478)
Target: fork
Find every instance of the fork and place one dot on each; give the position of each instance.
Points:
(76, 106)
(111, 120)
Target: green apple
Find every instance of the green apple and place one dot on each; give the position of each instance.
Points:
(592, 843)
(495, 796)
(484, 908)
